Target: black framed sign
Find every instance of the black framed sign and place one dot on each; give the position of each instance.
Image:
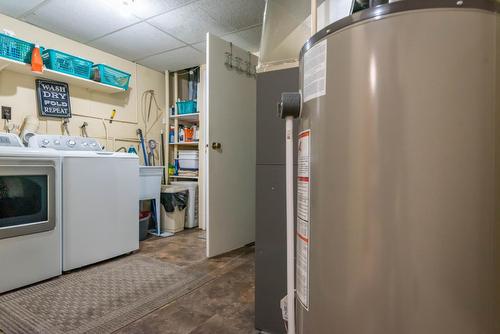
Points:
(53, 98)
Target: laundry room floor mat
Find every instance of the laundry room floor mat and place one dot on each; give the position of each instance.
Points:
(101, 299)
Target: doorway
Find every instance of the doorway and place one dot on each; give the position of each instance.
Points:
(212, 143)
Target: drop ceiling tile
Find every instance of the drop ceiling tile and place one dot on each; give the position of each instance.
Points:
(175, 60)
(237, 14)
(17, 8)
(189, 23)
(248, 40)
(146, 8)
(147, 40)
(201, 46)
(80, 20)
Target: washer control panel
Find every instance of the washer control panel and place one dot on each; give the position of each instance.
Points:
(65, 143)
(10, 139)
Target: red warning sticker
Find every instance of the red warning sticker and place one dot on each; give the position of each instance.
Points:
(303, 217)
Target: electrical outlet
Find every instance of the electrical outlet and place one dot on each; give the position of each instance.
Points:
(6, 113)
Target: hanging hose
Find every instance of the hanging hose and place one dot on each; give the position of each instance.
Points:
(64, 126)
(9, 126)
(84, 129)
(105, 131)
(123, 148)
(148, 97)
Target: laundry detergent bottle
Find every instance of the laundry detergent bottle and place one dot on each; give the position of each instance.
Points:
(36, 60)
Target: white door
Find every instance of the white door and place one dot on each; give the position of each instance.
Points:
(231, 123)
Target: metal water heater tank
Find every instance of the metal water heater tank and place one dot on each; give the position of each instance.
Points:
(398, 228)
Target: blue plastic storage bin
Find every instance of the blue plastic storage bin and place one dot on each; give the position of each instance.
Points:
(66, 63)
(186, 107)
(16, 49)
(110, 76)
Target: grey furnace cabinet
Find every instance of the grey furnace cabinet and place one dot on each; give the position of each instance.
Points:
(270, 236)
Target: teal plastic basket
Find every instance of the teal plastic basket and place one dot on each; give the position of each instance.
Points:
(16, 49)
(186, 107)
(110, 76)
(66, 63)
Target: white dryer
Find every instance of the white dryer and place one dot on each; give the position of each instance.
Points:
(100, 200)
(30, 214)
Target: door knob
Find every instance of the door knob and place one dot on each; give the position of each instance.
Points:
(216, 146)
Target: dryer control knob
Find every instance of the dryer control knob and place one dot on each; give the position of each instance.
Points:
(71, 143)
(45, 142)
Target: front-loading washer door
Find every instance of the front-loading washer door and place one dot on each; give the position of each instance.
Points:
(27, 197)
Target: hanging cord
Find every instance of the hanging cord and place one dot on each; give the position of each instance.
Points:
(6, 126)
(64, 126)
(10, 127)
(83, 128)
(147, 99)
(105, 131)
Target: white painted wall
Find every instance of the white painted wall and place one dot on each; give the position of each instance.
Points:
(18, 91)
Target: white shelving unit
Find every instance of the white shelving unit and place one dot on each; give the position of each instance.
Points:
(184, 177)
(175, 121)
(185, 143)
(20, 67)
(175, 88)
(187, 117)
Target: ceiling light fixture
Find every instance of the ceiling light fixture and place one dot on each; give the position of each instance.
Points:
(128, 2)
(124, 7)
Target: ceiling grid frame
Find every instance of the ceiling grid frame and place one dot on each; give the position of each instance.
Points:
(161, 56)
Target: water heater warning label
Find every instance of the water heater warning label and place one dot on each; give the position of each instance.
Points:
(303, 217)
(315, 72)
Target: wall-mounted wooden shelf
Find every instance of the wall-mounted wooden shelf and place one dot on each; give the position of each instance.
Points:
(19, 67)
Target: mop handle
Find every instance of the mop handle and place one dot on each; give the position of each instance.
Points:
(143, 147)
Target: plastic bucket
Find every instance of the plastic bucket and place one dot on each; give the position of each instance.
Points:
(144, 217)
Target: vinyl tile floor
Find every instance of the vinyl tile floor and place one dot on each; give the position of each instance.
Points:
(225, 304)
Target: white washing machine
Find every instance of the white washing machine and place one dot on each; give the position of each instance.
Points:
(30, 214)
(100, 200)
